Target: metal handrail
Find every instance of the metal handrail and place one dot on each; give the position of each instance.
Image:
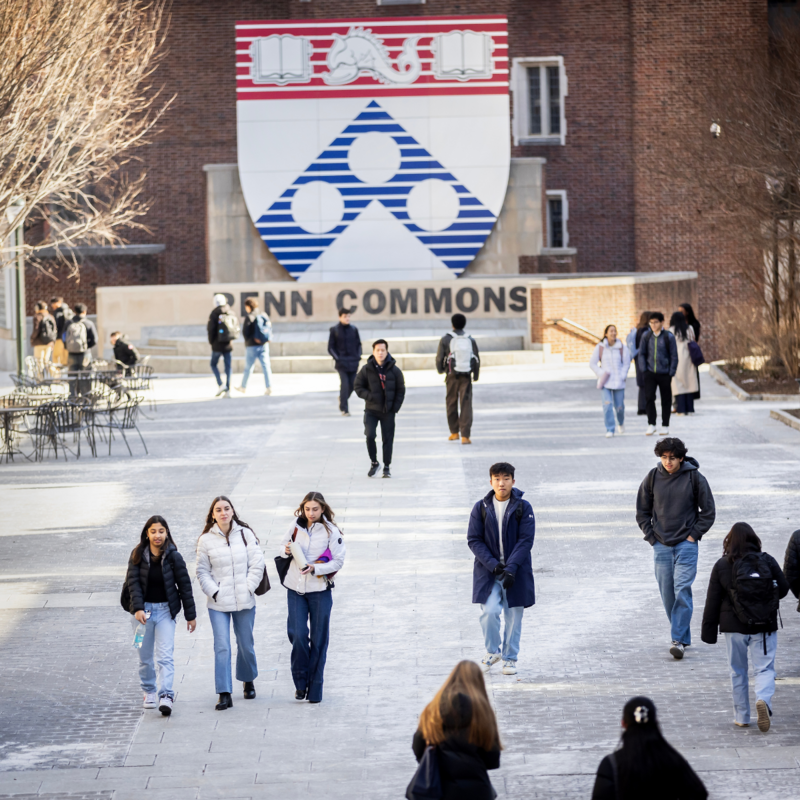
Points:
(575, 325)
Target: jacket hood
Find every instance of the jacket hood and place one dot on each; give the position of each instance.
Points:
(688, 464)
(168, 549)
(516, 494)
(617, 343)
(387, 364)
(234, 527)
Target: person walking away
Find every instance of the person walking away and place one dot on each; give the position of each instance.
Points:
(457, 358)
(124, 352)
(611, 361)
(675, 509)
(380, 384)
(62, 314)
(317, 550)
(223, 329)
(460, 725)
(80, 336)
(157, 585)
(634, 340)
(684, 383)
(43, 335)
(500, 536)
(230, 566)
(645, 765)
(791, 564)
(688, 312)
(743, 598)
(658, 361)
(257, 331)
(344, 346)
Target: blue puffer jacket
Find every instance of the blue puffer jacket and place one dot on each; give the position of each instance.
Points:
(664, 348)
(518, 536)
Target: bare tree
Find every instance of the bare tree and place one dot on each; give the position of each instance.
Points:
(76, 102)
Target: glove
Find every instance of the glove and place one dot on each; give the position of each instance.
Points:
(508, 580)
(499, 569)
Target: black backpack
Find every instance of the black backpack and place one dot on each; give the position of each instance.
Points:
(754, 592)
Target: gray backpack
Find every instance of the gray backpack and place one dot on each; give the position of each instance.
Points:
(77, 340)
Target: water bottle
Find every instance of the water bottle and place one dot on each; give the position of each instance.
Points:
(138, 637)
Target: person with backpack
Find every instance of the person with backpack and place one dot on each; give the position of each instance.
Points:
(381, 385)
(312, 553)
(257, 331)
(658, 362)
(344, 346)
(124, 352)
(80, 336)
(62, 314)
(223, 329)
(157, 585)
(230, 567)
(743, 599)
(43, 334)
(457, 740)
(500, 535)
(791, 564)
(611, 362)
(645, 766)
(684, 382)
(675, 509)
(459, 361)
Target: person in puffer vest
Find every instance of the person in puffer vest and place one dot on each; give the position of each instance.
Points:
(230, 565)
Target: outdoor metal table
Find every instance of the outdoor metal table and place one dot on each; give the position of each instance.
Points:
(7, 446)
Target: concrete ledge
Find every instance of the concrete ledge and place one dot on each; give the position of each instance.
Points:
(734, 388)
(786, 419)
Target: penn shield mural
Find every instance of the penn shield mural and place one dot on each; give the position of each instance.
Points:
(372, 149)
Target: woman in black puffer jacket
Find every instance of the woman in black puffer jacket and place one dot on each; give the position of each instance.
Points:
(791, 565)
(156, 586)
(460, 724)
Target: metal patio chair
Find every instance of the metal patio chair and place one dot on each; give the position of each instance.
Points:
(119, 417)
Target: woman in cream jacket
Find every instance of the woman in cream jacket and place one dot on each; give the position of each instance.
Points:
(684, 382)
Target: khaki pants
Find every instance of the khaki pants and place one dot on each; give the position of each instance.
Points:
(459, 392)
(43, 353)
(59, 352)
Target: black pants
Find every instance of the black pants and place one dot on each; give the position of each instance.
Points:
(684, 403)
(459, 391)
(371, 420)
(347, 379)
(662, 382)
(79, 363)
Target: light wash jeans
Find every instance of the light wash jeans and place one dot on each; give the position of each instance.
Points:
(613, 400)
(159, 636)
(260, 354)
(676, 569)
(246, 666)
(737, 645)
(495, 604)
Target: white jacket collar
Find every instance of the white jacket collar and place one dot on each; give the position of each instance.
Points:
(215, 529)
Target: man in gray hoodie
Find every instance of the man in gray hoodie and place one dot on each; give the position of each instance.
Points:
(674, 509)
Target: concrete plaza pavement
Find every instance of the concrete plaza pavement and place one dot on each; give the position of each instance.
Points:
(72, 723)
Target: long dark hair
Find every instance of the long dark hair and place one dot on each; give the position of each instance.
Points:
(138, 551)
(210, 521)
(644, 321)
(688, 312)
(678, 321)
(327, 511)
(738, 541)
(646, 761)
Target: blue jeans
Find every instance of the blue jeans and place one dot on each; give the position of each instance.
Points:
(246, 666)
(215, 357)
(260, 354)
(309, 648)
(676, 569)
(737, 645)
(495, 604)
(157, 648)
(613, 400)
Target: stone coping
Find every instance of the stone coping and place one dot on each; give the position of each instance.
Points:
(785, 418)
(739, 393)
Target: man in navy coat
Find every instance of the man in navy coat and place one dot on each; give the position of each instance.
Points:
(502, 578)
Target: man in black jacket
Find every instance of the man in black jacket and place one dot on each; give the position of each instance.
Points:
(380, 384)
(674, 509)
(457, 358)
(221, 344)
(658, 363)
(344, 346)
(124, 351)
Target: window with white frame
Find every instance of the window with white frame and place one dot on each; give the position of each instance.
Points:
(539, 86)
(557, 217)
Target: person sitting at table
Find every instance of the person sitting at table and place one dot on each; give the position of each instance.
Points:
(124, 352)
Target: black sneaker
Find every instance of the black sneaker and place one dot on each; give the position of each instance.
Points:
(373, 470)
(387, 473)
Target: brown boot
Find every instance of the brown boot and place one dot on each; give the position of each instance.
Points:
(453, 437)
(465, 440)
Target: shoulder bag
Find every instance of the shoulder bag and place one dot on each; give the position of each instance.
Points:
(282, 563)
(427, 781)
(264, 586)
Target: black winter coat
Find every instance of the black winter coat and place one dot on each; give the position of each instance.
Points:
(719, 612)
(368, 386)
(212, 329)
(125, 352)
(683, 784)
(177, 582)
(344, 347)
(791, 565)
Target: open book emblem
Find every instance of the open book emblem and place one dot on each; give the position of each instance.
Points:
(463, 55)
(281, 59)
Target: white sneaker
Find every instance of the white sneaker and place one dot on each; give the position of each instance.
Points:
(227, 394)
(620, 429)
(664, 431)
(609, 434)
(651, 429)
(150, 700)
(267, 391)
(241, 389)
(490, 659)
(165, 705)
(220, 391)
(509, 668)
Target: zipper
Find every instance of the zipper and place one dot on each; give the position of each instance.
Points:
(233, 568)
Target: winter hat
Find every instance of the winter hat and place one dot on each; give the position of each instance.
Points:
(220, 300)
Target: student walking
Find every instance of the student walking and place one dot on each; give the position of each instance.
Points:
(230, 566)
(43, 334)
(344, 346)
(634, 341)
(62, 314)
(80, 336)
(791, 564)
(611, 361)
(694, 324)
(223, 329)
(500, 535)
(744, 594)
(458, 359)
(257, 331)
(658, 362)
(646, 765)
(674, 509)
(460, 728)
(315, 550)
(684, 382)
(381, 385)
(157, 585)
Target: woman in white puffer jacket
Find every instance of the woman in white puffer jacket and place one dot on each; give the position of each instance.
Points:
(230, 565)
(611, 361)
